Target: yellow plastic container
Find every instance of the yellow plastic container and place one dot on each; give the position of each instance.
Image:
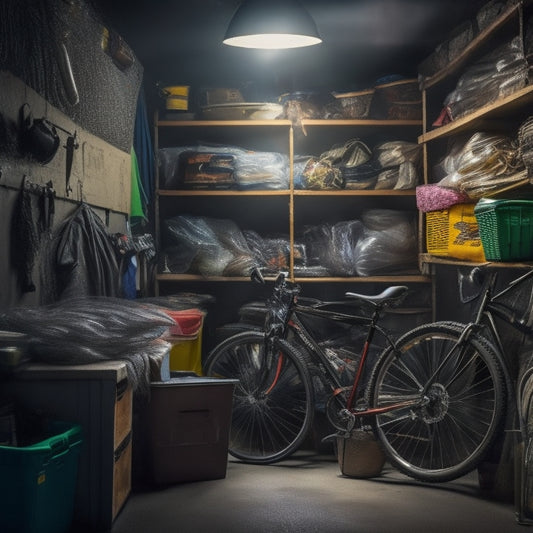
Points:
(177, 97)
(454, 232)
(186, 354)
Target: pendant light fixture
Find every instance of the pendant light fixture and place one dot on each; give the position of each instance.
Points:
(271, 24)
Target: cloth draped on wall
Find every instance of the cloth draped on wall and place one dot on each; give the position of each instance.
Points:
(85, 258)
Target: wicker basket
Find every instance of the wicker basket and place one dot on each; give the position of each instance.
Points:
(355, 104)
(404, 110)
(506, 229)
(360, 455)
(400, 91)
(454, 232)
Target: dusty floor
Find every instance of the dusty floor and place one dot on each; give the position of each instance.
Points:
(307, 494)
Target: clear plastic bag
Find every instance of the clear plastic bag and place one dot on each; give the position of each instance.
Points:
(402, 159)
(388, 244)
(259, 170)
(219, 246)
(332, 246)
(497, 75)
(486, 164)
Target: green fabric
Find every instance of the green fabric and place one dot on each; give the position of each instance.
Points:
(136, 209)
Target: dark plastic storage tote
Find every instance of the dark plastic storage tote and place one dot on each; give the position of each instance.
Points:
(38, 482)
(188, 427)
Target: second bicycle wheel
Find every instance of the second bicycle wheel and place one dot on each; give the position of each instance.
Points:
(273, 403)
(457, 397)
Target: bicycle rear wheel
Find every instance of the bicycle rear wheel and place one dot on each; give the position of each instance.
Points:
(272, 403)
(447, 433)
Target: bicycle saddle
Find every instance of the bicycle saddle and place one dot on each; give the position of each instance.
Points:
(388, 295)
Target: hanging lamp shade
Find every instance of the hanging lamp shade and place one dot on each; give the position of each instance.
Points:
(271, 24)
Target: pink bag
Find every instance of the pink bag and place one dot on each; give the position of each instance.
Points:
(432, 197)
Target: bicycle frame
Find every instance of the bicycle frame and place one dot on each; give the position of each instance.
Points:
(284, 320)
(488, 308)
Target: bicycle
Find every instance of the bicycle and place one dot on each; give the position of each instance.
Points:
(435, 400)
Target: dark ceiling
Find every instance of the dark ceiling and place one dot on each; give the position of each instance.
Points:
(179, 42)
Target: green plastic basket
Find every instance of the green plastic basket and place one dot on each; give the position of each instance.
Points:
(38, 482)
(506, 229)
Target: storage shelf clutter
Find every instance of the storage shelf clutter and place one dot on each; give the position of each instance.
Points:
(476, 196)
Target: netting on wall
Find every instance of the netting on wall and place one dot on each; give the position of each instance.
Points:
(61, 49)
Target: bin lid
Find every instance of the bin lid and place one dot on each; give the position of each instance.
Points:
(193, 381)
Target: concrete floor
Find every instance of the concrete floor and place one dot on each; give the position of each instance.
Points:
(307, 494)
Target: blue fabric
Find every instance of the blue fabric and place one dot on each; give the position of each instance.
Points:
(129, 282)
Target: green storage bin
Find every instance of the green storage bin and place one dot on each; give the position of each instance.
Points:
(38, 482)
(506, 229)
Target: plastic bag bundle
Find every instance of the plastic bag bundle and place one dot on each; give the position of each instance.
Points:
(249, 169)
(497, 75)
(525, 140)
(273, 253)
(262, 170)
(298, 168)
(364, 176)
(400, 160)
(217, 246)
(168, 160)
(321, 174)
(352, 153)
(388, 244)
(332, 246)
(486, 164)
(207, 170)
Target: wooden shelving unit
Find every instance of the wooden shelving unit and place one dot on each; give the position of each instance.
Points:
(499, 115)
(284, 129)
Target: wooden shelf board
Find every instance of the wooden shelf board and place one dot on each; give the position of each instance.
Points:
(225, 123)
(348, 192)
(285, 122)
(226, 192)
(367, 279)
(495, 110)
(432, 259)
(471, 48)
(360, 122)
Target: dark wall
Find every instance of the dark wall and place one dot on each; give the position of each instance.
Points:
(96, 100)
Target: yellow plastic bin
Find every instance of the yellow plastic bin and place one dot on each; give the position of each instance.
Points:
(186, 340)
(186, 354)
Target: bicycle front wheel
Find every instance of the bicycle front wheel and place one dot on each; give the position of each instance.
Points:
(457, 396)
(273, 401)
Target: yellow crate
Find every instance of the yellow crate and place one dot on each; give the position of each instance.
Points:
(186, 354)
(454, 232)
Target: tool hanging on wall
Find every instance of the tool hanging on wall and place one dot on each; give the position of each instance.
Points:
(71, 145)
(26, 233)
(40, 139)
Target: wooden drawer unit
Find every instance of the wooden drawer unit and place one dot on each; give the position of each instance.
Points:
(98, 397)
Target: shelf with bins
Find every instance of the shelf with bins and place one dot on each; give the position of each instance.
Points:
(503, 115)
(256, 134)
